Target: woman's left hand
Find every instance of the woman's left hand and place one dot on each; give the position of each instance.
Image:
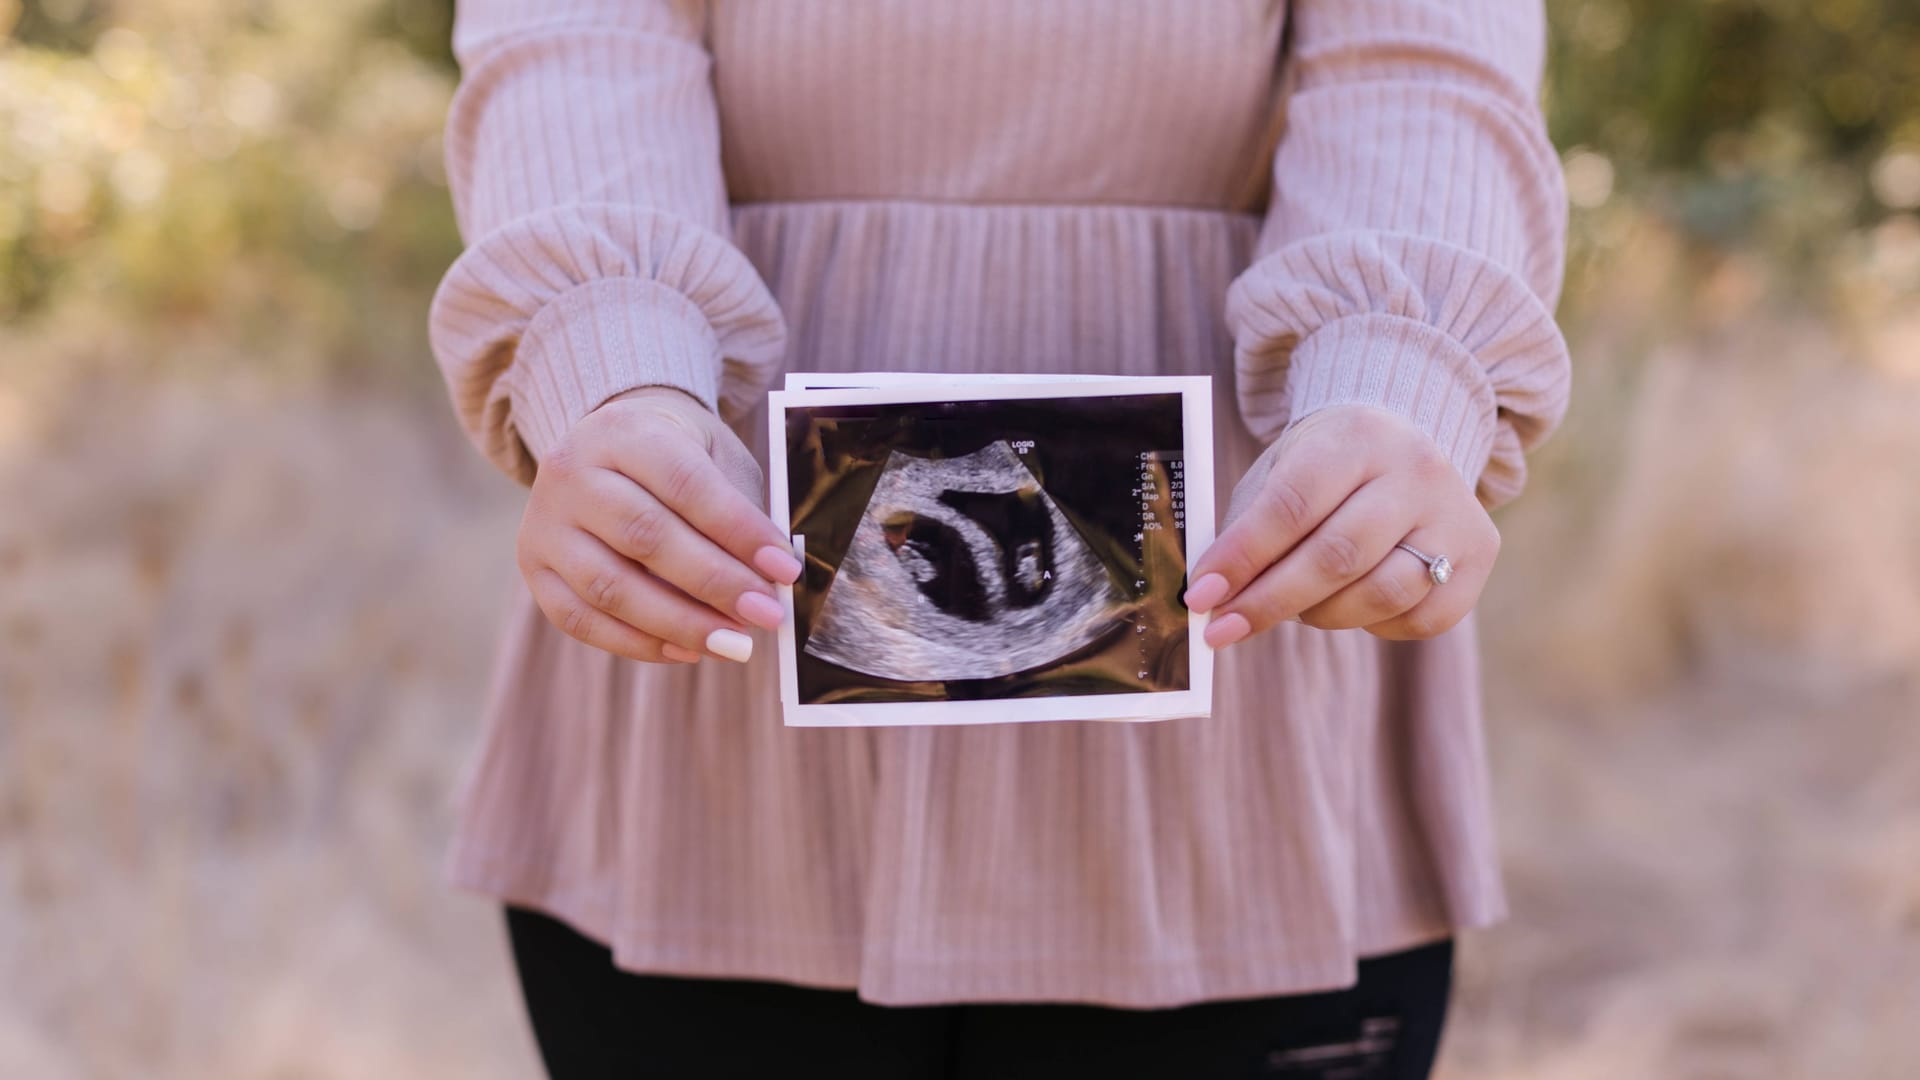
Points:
(1312, 528)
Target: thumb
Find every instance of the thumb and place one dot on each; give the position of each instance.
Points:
(728, 453)
(736, 462)
(1248, 489)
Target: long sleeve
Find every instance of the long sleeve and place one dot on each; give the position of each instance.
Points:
(1412, 254)
(583, 153)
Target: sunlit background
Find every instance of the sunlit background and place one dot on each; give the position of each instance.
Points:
(249, 569)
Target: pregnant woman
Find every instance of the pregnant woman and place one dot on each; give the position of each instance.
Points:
(1345, 211)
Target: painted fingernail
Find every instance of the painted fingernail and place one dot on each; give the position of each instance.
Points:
(760, 609)
(777, 564)
(1227, 629)
(675, 652)
(730, 644)
(1208, 591)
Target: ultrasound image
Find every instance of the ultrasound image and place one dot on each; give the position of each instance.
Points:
(969, 550)
(962, 568)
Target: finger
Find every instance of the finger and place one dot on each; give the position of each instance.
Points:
(1304, 487)
(616, 587)
(682, 476)
(635, 524)
(1392, 587)
(1352, 540)
(1444, 605)
(581, 621)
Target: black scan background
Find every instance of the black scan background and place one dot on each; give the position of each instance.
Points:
(1086, 456)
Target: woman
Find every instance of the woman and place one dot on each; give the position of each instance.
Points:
(1063, 186)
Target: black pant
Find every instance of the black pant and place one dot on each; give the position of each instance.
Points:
(594, 1020)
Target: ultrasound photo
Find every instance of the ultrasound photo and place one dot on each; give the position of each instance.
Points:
(1016, 550)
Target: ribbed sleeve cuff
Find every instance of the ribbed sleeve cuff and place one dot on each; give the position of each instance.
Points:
(601, 339)
(1403, 366)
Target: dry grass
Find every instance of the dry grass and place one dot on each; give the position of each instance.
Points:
(245, 638)
(243, 632)
(1705, 677)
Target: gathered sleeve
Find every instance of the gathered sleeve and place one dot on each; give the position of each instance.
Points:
(583, 154)
(1412, 253)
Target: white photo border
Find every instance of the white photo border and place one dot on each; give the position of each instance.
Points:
(1196, 394)
(873, 380)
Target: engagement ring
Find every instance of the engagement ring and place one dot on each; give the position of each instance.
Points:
(1438, 566)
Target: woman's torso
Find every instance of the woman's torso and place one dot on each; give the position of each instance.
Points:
(1060, 186)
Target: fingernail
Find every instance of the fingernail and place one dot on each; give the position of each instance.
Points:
(1226, 630)
(676, 652)
(730, 645)
(1208, 591)
(777, 564)
(760, 609)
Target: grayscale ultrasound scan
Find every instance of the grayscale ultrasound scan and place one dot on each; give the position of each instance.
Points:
(967, 550)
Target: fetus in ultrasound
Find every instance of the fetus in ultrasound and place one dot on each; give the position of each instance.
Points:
(962, 568)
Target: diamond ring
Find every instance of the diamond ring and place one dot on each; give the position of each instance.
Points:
(1439, 567)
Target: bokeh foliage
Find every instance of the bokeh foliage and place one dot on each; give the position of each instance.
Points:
(261, 178)
(1718, 86)
(269, 170)
(1782, 128)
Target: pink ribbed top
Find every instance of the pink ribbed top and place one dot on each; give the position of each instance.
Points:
(702, 195)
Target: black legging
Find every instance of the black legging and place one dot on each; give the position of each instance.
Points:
(594, 1020)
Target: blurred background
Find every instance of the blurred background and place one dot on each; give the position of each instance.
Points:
(249, 569)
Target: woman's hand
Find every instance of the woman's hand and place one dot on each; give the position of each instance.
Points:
(644, 534)
(1311, 531)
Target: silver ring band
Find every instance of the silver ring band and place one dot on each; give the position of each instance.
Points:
(1439, 567)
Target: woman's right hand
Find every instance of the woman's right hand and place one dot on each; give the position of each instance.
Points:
(644, 533)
